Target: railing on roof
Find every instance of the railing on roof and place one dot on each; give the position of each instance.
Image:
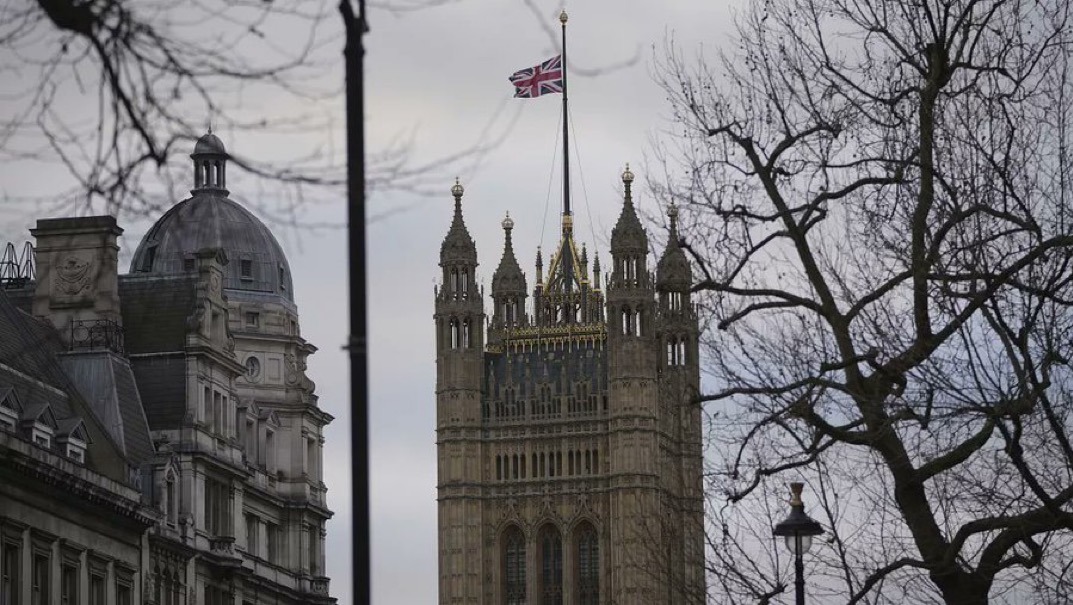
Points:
(16, 270)
(90, 334)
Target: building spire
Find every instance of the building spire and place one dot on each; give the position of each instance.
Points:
(458, 246)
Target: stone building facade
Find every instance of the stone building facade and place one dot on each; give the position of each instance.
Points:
(568, 439)
(160, 442)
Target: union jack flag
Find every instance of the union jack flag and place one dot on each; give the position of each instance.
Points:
(545, 78)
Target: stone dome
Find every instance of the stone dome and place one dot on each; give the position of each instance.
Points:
(209, 143)
(210, 220)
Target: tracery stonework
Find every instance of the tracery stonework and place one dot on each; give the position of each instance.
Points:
(569, 446)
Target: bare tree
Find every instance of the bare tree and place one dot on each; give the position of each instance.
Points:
(875, 194)
(111, 89)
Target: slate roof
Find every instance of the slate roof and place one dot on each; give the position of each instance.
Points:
(106, 381)
(162, 383)
(31, 348)
(155, 311)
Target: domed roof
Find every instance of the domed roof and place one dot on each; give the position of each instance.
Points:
(210, 143)
(211, 220)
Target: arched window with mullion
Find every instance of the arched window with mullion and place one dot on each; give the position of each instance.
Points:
(514, 564)
(588, 565)
(551, 566)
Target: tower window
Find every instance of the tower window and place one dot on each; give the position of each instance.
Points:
(514, 566)
(253, 320)
(188, 265)
(551, 566)
(588, 566)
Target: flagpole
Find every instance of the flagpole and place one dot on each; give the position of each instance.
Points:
(567, 221)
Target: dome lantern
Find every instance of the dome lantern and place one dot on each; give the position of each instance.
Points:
(210, 164)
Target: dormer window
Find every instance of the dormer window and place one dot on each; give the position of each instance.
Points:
(40, 424)
(282, 278)
(76, 451)
(72, 438)
(246, 269)
(9, 409)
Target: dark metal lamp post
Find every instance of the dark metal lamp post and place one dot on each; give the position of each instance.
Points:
(798, 530)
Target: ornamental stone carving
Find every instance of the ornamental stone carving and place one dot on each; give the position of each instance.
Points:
(72, 275)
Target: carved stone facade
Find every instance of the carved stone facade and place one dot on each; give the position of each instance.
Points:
(164, 443)
(569, 440)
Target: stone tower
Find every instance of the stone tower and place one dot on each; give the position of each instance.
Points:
(569, 443)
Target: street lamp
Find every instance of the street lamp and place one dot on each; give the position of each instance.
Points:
(797, 530)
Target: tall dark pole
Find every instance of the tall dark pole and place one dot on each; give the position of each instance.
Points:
(798, 530)
(354, 53)
(799, 570)
(568, 220)
(566, 137)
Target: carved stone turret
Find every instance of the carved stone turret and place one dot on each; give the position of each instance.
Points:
(509, 289)
(459, 320)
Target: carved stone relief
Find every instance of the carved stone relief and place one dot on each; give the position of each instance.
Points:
(71, 275)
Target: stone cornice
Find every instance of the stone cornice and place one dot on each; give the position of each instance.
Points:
(82, 483)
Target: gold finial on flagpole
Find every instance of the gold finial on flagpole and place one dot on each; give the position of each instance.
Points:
(562, 17)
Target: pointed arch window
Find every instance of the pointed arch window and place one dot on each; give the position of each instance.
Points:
(513, 566)
(551, 566)
(455, 336)
(588, 565)
(676, 351)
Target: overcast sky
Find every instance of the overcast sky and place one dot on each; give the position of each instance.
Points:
(438, 76)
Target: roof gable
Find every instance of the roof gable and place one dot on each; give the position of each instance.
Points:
(40, 413)
(10, 399)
